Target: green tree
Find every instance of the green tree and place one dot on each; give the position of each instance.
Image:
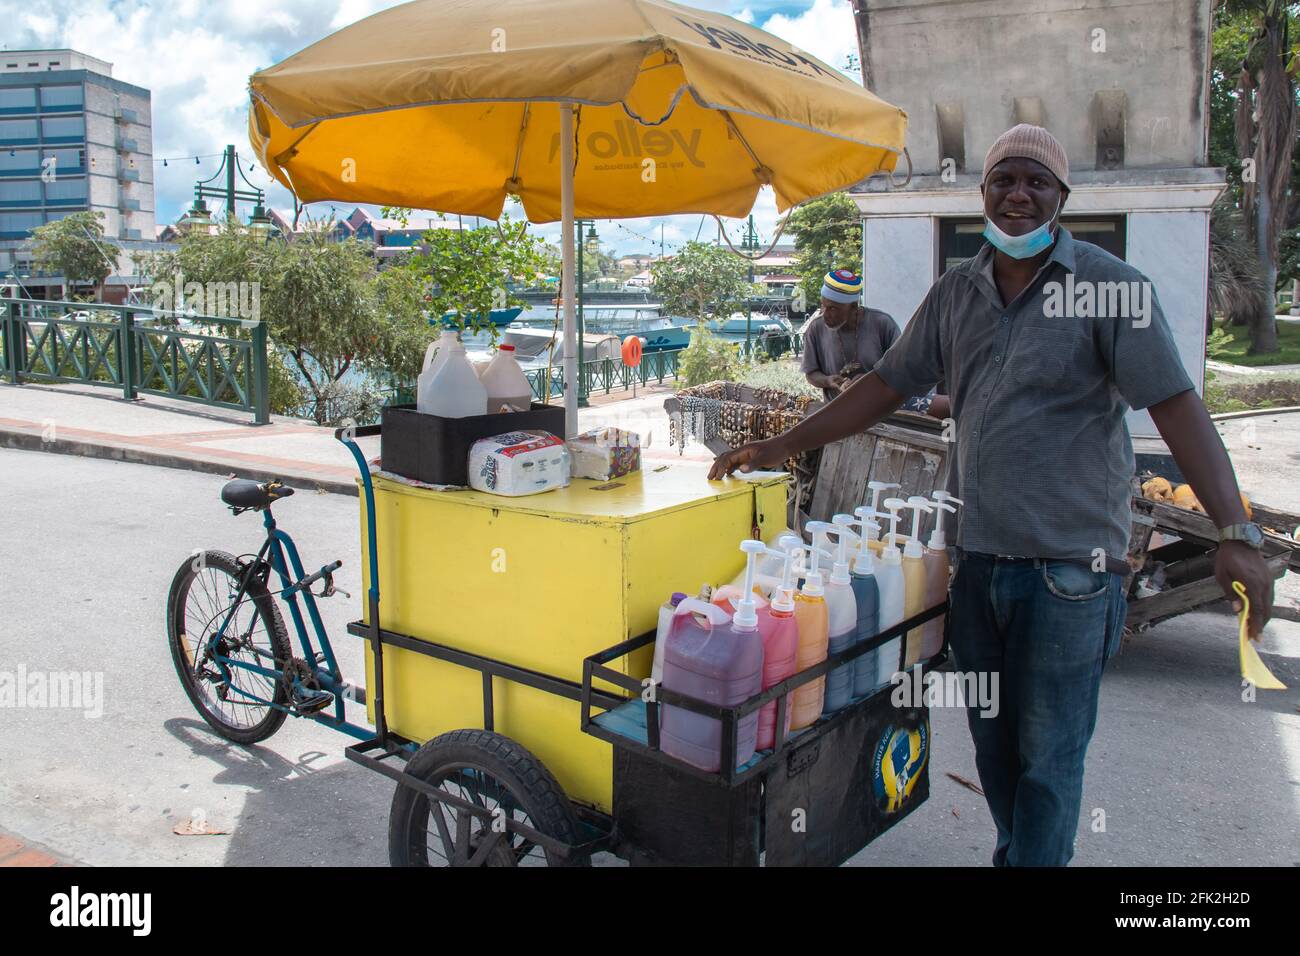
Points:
(827, 235)
(74, 247)
(699, 281)
(468, 272)
(1257, 45)
(320, 301)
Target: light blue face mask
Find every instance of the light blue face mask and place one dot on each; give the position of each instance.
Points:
(1026, 246)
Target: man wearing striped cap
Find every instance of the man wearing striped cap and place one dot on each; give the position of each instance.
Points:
(846, 339)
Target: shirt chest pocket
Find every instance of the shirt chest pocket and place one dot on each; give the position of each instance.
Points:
(1046, 358)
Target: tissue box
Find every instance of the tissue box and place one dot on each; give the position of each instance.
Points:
(605, 453)
(519, 463)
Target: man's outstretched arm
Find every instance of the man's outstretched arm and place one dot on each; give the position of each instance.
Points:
(1189, 432)
(861, 405)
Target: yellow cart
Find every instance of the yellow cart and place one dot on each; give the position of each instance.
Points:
(514, 643)
(508, 690)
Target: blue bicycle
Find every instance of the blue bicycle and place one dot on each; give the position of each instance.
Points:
(228, 639)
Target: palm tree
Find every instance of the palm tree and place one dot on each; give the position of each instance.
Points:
(1265, 126)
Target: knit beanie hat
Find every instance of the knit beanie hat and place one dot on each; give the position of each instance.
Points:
(1029, 142)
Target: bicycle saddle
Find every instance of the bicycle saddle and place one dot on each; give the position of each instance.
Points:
(243, 493)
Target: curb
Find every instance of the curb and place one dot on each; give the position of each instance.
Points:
(27, 441)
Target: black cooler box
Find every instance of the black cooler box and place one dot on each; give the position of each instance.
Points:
(435, 450)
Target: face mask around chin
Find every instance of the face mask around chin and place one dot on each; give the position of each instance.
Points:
(1022, 247)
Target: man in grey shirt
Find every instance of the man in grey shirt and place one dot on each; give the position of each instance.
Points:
(845, 340)
(1044, 344)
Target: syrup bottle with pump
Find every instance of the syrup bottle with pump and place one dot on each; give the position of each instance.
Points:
(780, 632)
(876, 488)
(936, 574)
(866, 595)
(716, 659)
(915, 587)
(841, 612)
(889, 577)
(813, 619)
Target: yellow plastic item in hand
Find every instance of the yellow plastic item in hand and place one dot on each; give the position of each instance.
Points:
(1252, 668)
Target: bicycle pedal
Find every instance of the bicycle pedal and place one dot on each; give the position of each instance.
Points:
(313, 703)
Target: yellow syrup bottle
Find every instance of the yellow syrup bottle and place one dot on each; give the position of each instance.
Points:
(936, 575)
(813, 620)
(914, 579)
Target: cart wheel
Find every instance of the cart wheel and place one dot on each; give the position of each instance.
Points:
(492, 772)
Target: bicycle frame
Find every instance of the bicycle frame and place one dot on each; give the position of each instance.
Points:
(280, 554)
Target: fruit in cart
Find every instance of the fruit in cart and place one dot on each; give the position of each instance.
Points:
(1157, 489)
(1184, 497)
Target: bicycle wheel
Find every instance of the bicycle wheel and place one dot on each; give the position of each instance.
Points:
(199, 600)
(494, 773)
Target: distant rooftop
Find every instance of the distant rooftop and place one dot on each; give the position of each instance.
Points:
(41, 61)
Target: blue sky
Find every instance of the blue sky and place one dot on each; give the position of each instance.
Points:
(196, 56)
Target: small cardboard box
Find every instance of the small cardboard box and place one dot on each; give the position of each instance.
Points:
(605, 453)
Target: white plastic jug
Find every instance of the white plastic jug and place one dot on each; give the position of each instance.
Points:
(507, 386)
(453, 391)
(434, 358)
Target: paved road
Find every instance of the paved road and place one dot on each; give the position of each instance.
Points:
(1184, 771)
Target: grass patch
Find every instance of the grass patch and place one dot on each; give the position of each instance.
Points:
(1244, 396)
(1233, 348)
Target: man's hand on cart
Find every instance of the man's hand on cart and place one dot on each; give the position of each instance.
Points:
(1237, 561)
(757, 454)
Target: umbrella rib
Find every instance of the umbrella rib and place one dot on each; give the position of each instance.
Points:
(519, 144)
(761, 172)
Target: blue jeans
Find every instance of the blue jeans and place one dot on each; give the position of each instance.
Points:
(1046, 628)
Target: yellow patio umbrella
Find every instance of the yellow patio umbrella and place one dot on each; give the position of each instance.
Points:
(596, 109)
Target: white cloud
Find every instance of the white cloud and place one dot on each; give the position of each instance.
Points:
(826, 30)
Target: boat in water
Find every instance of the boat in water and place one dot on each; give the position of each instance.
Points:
(498, 317)
(758, 322)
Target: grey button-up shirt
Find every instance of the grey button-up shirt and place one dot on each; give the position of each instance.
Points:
(830, 351)
(1039, 388)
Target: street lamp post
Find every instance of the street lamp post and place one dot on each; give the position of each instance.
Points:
(750, 245)
(590, 244)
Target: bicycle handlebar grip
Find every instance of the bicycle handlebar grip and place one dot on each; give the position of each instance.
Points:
(349, 432)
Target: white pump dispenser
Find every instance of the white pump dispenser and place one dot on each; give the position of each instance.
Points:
(862, 558)
(746, 614)
(876, 488)
(940, 505)
(893, 506)
(786, 547)
(918, 504)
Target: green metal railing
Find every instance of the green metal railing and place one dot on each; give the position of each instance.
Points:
(137, 350)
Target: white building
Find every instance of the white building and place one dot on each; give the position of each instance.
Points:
(1124, 85)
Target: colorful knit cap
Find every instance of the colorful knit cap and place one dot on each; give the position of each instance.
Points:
(841, 285)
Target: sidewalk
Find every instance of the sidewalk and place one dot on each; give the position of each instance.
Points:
(99, 423)
(16, 853)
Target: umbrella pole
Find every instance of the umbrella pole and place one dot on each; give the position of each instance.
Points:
(571, 360)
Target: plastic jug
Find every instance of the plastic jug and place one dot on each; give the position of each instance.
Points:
(889, 578)
(661, 635)
(434, 358)
(936, 575)
(915, 587)
(717, 662)
(507, 386)
(841, 613)
(866, 594)
(453, 391)
(780, 634)
(813, 618)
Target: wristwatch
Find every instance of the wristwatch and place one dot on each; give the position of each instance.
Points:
(1248, 533)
